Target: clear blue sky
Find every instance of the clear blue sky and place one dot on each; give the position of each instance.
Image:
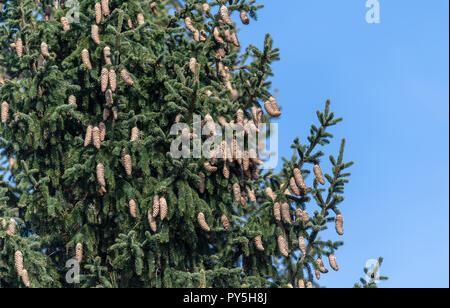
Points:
(390, 83)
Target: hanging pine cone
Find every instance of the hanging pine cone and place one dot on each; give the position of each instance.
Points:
(209, 167)
(101, 176)
(105, 7)
(127, 163)
(217, 36)
(340, 225)
(231, 37)
(302, 244)
(102, 128)
(321, 267)
(72, 100)
(163, 208)
(65, 24)
(5, 112)
(126, 77)
(19, 47)
(317, 272)
(201, 183)
(333, 263)
(277, 211)
(226, 170)
(155, 210)
(110, 100)
(305, 217)
(85, 59)
(130, 24)
(206, 8)
(104, 79)
(94, 34)
(236, 192)
(301, 284)
(270, 110)
(299, 178)
(133, 208)
(44, 50)
(107, 55)
(259, 244)
(244, 17)
(134, 134)
(105, 114)
(151, 221)
(115, 112)
(140, 19)
(192, 64)
(189, 24)
(25, 278)
(18, 259)
(283, 246)
(319, 174)
(112, 80)
(225, 222)
(98, 13)
(251, 195)
(294, 187)
(202, 222)
(79, 252)
(88, 137)
(96, 137)
(11, 227)
(271, 194)
(154, 8)
(285, 213)
(224, 15)
(309, 285)
(246, 161)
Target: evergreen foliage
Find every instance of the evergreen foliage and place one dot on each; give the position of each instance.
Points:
(86, 136)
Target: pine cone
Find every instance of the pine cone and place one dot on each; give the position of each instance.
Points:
(317, 272)
(5, 112)
(271, 111)
(271, 194)
(246, 161)
(105, 114)
(225, 222)
(232, 38)
(18, 259)
(140, 19)
(302, 244)
(127, 163)
(322, 268)
(25, 278)
(102, 128)
(333, 263)
(154, 8)
(309, 285)
(130, 24)
(96, 137)
(112, 80)
(217, 36)
(107, 55)
(299, 178)
(192, 64)
(19, 47)
(201, 183)
(126, 77)
(65, 24)
(95, 35)
(236, 192)
(110, 100)
(259, 244)
(244, 17)
(202, 222)
(101, 175)
(98, 13)
(79, 252)
(134, 134)
(163, 208)
(72, 100)
(283, 246)
(152, 221)
(339, 224)
(88, 137)
(305, 217)
(189, 25)
(301, 284)
(133, 208)
(156, 206)
(224, 15)
(206, 8)
(285, 213)
(209, 167)
(104, 79)
(240, 116)
(85, 58)
(277, 211)
(251, 195)
(11, 227)
(294, 187)
(44, 50)
(319, 174)
(105, 7)
(226, 170)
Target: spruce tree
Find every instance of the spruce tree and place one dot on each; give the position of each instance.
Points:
(90, 91)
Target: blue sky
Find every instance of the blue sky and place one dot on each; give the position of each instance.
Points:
(390, 83)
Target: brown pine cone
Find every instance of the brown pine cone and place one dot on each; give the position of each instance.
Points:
(127, 163)
(319, 174)
(156, 206)
(259, 244)
(101, 175)
(98, 13)
(126, 77)
(134, 134)
(202, 222)
(88, 136)
(112, 80)
(96, 137)
(105, 7)
(244, 17)
(19, 47)
(333, 263)
(102, 128)
(285, 208)
(5, 112)
(65, 24)
(151, 221)
(133, 208)
(79, 252)
(18, 259)
(302, 244)
(225, 222)
(94, 34)
(224, 15)
(107, 55)
(294, 187)
(201, 183)
(237, 192)
(85, 58)
(283, 246)
(44, 50)
(339, 224)
(321, 267)
(104, 79)
(277, 211)
(163, 208)
(209, 167)
(25, 278)
(11, 227)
